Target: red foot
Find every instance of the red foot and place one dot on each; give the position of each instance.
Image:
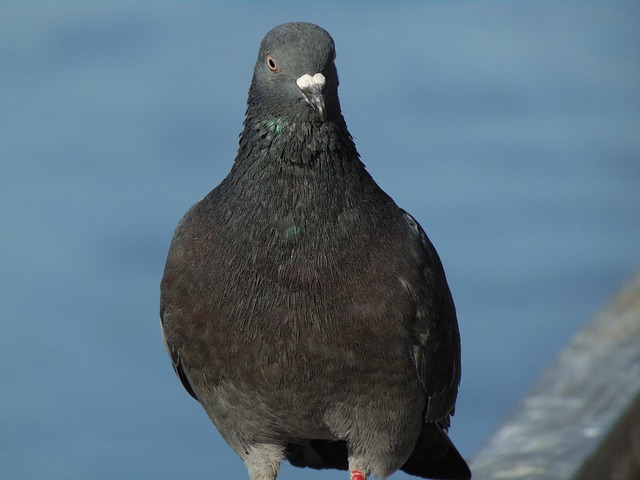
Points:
(357, 475)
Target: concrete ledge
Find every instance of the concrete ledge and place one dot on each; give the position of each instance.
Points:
(581, 420)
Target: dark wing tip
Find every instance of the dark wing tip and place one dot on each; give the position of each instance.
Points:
(177, 365)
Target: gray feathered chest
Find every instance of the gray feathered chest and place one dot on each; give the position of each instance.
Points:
(301, 260)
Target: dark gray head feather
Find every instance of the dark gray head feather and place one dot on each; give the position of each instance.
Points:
(296, 49)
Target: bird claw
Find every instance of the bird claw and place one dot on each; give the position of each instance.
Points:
(357, 475)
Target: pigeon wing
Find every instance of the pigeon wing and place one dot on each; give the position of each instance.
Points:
(437, 339)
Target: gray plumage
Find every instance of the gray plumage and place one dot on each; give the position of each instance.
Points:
(306, 312)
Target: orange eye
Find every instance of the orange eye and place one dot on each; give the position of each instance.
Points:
(271, 63)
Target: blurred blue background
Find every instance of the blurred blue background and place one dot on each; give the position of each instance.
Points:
(511, 130)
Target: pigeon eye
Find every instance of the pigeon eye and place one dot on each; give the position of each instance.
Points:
(271, 63)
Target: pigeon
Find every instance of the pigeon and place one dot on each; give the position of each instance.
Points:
(307, 313)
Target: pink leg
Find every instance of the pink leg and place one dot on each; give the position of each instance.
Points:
(357, 475)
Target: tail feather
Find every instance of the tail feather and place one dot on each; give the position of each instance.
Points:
(435, 456)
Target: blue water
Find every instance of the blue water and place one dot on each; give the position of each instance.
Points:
(511, 130)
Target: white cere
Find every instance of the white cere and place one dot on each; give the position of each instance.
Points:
(308, 83)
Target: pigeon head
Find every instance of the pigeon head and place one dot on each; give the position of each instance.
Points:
(295, 77)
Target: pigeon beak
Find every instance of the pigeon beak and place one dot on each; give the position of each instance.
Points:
(312, 90)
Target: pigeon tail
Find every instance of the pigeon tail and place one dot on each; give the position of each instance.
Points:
(435, 456)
